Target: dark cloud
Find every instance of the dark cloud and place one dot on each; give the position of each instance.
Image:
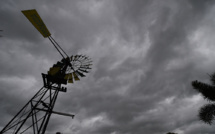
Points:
(145, 54)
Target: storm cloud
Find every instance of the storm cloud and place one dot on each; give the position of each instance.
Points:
(145, 54)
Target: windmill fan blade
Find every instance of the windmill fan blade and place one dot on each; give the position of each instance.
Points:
(79, 73)
(75, 57)
(87, 65)
(88, 68)
(75, 76)
(88, 61)
(70, 78)
(83, 67)
(83, 70)
(37, 22)
(82, 56)
(66, 77)
(78, 57)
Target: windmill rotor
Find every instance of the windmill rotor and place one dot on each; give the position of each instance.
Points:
(70, 69)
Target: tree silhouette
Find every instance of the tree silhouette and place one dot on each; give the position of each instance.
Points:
(171, 133)
(207, 112)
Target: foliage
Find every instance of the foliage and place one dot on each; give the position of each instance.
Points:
(207, 90)
(207, 112)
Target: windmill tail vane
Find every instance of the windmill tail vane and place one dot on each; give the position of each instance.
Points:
(35, 115)
(38, 23)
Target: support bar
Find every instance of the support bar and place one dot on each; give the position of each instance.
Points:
(60, 113)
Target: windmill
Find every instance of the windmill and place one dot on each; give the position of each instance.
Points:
(34, 116)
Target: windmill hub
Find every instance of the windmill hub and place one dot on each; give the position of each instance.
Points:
(76, 65)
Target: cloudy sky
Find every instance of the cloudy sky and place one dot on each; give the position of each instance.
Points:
(145, 54)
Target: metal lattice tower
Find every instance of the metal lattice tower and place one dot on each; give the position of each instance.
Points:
(34, 116)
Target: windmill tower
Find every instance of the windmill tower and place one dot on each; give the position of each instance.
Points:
(34, 116)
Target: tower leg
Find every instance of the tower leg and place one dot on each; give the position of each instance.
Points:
(35, 115)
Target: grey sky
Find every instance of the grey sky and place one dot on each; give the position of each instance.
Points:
(145, 54)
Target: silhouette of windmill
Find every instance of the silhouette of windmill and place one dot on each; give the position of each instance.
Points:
(34, 116)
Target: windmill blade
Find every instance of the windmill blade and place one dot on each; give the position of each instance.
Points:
(83, 70)
(37, 22)
(83, 57)
(75, 76)
(89, 61)
(70, 80)
(87, 65)
(75, 57)
(79, 56)
(66, 77)
(79, 73)
(86, 57)
(69, 77)
(88, 68)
